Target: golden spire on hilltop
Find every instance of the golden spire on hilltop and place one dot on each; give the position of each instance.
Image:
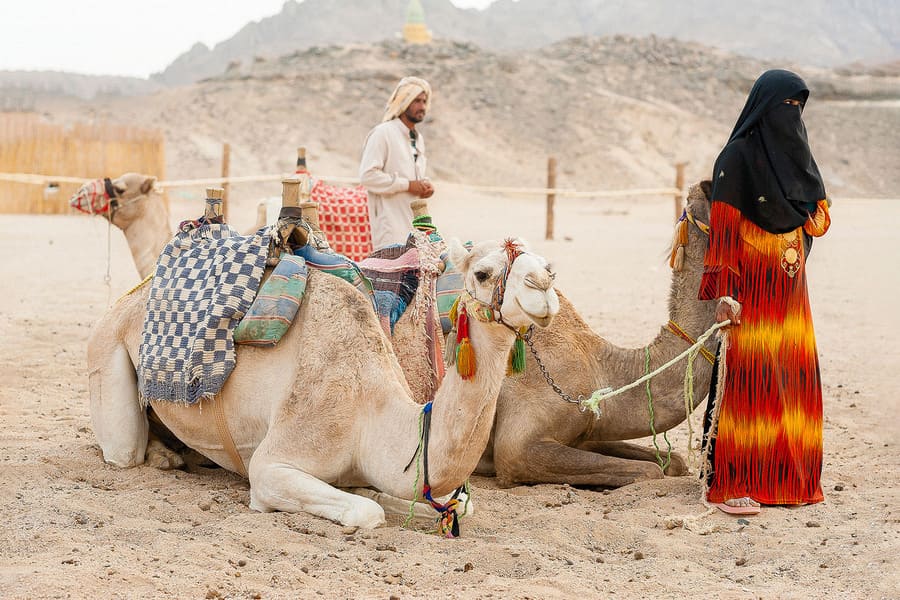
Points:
(415, 31)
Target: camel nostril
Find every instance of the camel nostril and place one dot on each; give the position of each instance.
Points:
(542, 285)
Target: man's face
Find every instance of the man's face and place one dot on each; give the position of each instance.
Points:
(415, 112)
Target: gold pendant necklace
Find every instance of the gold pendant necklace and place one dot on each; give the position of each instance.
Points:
(790, 253)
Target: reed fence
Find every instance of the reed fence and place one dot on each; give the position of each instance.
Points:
(58, 158)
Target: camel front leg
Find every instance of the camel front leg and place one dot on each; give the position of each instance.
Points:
(119, 422)
(279, 485)
(552, 462)
(676, 468)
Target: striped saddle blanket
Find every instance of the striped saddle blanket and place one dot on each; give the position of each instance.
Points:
(205, 281)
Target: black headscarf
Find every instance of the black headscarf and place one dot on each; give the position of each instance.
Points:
(766, 169)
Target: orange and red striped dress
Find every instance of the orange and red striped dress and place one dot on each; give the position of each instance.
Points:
(768, 444)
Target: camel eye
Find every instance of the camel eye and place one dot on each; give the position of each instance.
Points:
(482, 276)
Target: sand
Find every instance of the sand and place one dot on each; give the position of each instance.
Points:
(76, 527)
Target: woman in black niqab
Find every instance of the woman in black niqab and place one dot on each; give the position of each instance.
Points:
(763, 424)
(766, 169)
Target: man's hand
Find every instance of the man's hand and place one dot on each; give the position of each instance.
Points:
(726, 311)
(421, 188)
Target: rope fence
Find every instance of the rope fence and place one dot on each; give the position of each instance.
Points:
(551, 191)
(37, 179)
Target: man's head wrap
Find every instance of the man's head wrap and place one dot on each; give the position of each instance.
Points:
(405, 92)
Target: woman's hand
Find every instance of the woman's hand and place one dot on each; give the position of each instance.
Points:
(728, 309)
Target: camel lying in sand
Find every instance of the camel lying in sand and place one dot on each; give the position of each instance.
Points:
(328, 407)
(537, 436)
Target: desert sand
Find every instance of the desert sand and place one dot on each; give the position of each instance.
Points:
(75, 527)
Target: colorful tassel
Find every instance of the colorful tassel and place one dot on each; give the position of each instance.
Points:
(454, 311)
(465, 355)
(450, 349)
(517, 354)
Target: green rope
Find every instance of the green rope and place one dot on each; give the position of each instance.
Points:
(415, 494)
(662, 464)
(468, 491)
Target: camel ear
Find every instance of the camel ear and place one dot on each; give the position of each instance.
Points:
(147, 185)
(459, 256)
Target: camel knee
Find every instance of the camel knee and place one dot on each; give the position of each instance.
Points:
(677, 467)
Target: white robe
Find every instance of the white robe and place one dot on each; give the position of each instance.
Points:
(386, 168)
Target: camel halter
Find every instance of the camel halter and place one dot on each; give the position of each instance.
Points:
(461, 353)
(448, 517)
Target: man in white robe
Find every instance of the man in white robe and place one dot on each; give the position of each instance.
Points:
(393, 163)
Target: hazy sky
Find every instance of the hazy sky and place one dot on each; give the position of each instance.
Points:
(122, 37)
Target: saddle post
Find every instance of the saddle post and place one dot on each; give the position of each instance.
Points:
(422, 219)
(213, 212)
(288, 232)
(419, 207)
(309, 210)
(301, 160)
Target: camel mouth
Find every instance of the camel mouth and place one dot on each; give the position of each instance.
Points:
(542, 322)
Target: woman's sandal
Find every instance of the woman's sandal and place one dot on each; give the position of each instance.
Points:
(739, 506)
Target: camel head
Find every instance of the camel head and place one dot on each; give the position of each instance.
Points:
(115, 199)
(512, 283)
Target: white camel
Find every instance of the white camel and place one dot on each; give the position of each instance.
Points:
(329, 407)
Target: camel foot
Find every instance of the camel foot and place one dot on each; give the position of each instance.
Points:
(160, 457)
(739, 506)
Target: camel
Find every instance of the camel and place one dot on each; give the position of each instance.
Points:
(139, 211)
(540, 438)
(305, 428)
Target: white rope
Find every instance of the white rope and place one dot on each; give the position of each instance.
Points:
(693, 522)
(593, 403)
(38, 179)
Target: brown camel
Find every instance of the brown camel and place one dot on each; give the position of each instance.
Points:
(539, 438)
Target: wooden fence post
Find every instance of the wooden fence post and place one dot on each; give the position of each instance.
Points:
(679, 183)
(226, 169)
(551, 197)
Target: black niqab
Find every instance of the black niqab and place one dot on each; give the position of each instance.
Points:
(766, 169)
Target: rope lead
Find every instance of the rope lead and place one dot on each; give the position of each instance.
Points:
(593, 403)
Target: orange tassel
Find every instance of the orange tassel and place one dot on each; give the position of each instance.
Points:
(679, 241)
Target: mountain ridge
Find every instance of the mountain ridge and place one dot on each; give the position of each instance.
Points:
(811, 32)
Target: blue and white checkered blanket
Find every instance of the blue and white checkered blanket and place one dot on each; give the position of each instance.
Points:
(206, 279)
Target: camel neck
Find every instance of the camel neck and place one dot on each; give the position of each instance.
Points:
(147, 235)
(628, 414)
(462, 416)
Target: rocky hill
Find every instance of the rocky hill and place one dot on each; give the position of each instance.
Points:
(813, 32)
(616, 112)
